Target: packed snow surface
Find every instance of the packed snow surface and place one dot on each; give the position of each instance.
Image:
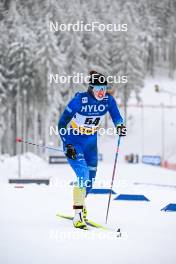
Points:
(31, 233)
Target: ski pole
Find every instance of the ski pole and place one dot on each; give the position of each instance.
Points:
(112, 181)
(20, 140)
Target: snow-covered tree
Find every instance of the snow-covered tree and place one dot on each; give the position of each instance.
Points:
(126, 57)
(29, 52)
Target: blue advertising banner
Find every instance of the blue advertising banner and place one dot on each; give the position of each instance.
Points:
(152, 160)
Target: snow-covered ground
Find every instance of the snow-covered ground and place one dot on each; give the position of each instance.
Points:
(31, 233)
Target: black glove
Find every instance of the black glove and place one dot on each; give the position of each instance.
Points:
(121, 130)
(70, 152)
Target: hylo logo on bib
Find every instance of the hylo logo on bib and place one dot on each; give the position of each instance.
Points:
(93, 108)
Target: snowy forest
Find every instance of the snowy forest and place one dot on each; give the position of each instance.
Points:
(29, 52)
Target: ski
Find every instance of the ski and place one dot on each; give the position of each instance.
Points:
(95, 225)
(68, 217)
(88, 222)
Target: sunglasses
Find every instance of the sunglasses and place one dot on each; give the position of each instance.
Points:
(98, 87)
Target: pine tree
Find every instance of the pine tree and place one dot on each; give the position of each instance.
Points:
(126, 59)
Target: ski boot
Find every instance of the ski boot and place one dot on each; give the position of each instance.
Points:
(78, 220)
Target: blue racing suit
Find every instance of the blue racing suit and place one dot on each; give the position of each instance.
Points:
(83, 115)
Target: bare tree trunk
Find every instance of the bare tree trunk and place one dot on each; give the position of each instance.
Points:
(24, 119)
(9, 131)
(172, 59)
(151, 59)
(18, 119)
(13, 149)
(35, 128)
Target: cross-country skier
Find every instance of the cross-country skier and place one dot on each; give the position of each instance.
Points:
(81, 119)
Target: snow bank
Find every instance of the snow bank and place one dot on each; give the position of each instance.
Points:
(31, 165)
